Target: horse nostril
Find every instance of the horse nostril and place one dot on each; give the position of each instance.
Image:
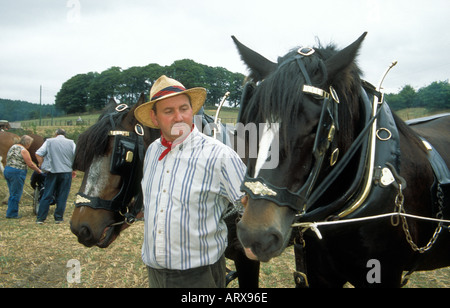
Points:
(269, 243)
(265, 244)
(85, 232)
(85, 236)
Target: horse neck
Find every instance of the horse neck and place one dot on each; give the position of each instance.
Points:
(415, 168)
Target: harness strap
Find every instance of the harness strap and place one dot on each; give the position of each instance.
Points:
(300, 274)
(303, 69)
(340, 166)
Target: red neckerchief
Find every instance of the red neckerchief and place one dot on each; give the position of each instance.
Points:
(169, 145)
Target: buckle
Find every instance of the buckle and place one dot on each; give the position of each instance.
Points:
(139, 129)
(119, 133)
(334, 94)
(305, 51)
(121, 107)
(316, 91)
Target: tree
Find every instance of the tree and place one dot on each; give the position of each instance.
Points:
(103, 87)
(189, 73)
(435, 96)
(236, 86)
(73, 96)
(404, 99)
(92, 91)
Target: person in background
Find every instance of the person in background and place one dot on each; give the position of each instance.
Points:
(55, 157)
(189, 181)
(17, 160)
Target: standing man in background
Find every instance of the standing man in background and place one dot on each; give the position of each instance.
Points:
(55, 157)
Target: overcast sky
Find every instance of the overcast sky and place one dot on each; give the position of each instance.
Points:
(45, 42)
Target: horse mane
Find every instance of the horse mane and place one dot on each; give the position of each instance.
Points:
(285, 85)
(94, 141)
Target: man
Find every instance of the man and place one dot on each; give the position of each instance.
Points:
(189, 180)
(55, 157)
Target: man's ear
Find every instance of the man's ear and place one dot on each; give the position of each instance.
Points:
(153, 117)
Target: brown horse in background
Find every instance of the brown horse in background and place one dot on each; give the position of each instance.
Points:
(7, 140)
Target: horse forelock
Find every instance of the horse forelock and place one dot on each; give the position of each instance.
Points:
(94, 141)
(280, 97)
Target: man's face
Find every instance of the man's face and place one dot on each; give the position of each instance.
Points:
(171, 111)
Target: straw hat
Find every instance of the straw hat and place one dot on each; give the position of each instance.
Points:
(166, 87)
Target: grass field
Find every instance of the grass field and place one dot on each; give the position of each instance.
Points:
(34, 255)
(37, 255)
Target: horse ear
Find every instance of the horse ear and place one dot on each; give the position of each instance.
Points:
(259, 66)
(141, 99)
(112, 104)
(343, 58)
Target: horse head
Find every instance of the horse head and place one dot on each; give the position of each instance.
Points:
(110, 153)
(307, 101)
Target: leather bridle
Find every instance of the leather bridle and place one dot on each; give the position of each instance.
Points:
(304, 198)
(127, 161)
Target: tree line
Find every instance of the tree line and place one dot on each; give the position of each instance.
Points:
(435, 96)
(92, 91)
(17, 110)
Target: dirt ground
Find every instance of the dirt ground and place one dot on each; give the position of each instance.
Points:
(35, 256)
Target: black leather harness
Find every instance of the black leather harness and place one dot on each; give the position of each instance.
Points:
(372, 183)
(127, 161)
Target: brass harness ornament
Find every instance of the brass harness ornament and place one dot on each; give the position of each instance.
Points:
(259, 188)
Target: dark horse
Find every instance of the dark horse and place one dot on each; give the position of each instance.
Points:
(111, 154)
(342, 156)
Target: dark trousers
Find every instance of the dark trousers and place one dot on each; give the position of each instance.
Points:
(58, 185)
(210, 276)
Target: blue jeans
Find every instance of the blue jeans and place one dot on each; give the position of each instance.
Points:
(15, 179)
(57, 185)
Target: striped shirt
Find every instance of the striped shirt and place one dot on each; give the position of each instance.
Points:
(185, 197)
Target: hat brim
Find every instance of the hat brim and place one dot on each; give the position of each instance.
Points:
(197, 96)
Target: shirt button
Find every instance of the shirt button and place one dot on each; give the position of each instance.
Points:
(164, 191)
(167, 171)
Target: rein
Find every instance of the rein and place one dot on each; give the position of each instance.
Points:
(126, 159)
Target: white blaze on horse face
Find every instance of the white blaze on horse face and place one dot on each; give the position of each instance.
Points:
(97, 178)
(268, 148)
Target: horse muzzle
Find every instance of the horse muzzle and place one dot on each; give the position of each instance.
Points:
(261, 229)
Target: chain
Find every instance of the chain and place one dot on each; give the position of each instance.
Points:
(399, 202)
